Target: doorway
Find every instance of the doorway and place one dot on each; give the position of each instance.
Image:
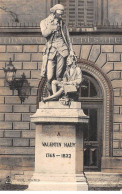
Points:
(90, 96)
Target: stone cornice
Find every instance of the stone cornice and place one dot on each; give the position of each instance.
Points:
(73, 30)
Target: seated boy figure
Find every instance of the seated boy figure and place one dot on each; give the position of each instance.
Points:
(71, 80)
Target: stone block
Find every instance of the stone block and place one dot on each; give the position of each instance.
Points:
(21, 108)
(30, 100)
(120, 109)
(120, 127)
(21, 125)
(1, 100)
(5, 142)
(12, 100)
(37, 57)
(34, 82)
(117, 92)
(22, 57)
(116, 144)
(28, 134)
(6, 57)
(32, 142)
(117, 83)
(117, 118)
(39, 66)
(32, 126)
(14, 48)
(118, 66)
(2, 117)
(5, 125)
(2, 64)
(117, 48)
(107, 48)
(85, 51)
(5, 91)
(101, 60)
(121, 144)
(41, 47)
(17, 150)
(117, 135)
(16, 164)
(117, 152)
(112, 164)
(35, 74)
(107, 67)
(34, 91)
(33, 108)
(13, 117)
(2, 82)
(20, 142)
(113, 75)
(77, 49)
(30, 48)
(26, 117)
(12, 133)
(116, 109)
(2, 74)
(95, 52)
(17, 65)
(2, 49)
(20, 72)
(29, 65)
(117, 100)
(1, 133)
(113, 57)
(6, 108)
(116, 127)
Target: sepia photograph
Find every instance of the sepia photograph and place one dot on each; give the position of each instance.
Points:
(61, 95)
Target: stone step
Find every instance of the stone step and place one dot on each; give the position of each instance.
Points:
(100, 179)
(94, 179)
(60, 177)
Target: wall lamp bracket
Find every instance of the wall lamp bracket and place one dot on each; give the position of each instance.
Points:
(20, 84)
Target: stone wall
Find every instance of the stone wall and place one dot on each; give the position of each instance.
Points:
(16, 132)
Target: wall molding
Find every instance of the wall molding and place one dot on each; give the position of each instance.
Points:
(107, 89)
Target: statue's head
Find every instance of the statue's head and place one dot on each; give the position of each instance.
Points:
(58, 10)
(71, 60)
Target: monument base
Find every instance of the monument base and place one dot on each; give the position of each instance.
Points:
(41, 182)
(59, 148)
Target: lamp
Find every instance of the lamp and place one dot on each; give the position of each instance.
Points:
(20, 84)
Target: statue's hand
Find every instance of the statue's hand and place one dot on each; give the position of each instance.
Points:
(65, 83)
(53, 28)
(72, 53)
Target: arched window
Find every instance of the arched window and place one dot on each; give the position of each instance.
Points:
(91, 98)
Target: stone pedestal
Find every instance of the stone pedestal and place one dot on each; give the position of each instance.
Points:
(59, 148)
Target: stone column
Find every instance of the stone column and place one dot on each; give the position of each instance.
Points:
(59, 147)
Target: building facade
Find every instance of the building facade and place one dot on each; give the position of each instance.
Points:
(96, 34)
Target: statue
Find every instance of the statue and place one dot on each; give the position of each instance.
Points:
(58, 46)
(68, 87)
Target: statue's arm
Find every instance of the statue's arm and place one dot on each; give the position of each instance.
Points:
(45, 29)
(78, 79)
(68, 39)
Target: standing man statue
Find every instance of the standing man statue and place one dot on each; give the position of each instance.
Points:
(58, 45)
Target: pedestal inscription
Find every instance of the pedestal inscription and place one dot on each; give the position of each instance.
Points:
(56, 148)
